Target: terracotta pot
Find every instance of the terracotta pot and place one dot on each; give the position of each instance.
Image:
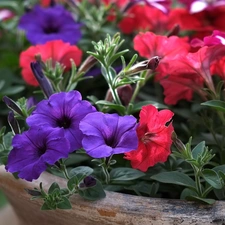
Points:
(115, 209)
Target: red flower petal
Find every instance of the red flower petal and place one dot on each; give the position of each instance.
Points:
(56, 50)
(154, 138)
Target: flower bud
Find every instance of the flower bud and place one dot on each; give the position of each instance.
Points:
(178, 143)
(12, 105)
(13, 123)
(42, 80)
(87, 64)
(125, 93)
(150, 64)
(175, 31)
(88, 182)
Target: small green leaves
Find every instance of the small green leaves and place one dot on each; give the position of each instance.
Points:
(5, 145)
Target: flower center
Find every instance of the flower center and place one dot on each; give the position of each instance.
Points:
(42, 150)
(147, 137)
(64, 122)
(51, 29)
(110, 142)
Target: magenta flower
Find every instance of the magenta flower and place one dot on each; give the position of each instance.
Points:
(196, 6)
(162, 5)
(35, 149)
(51, 23)
(108, 134)
(63, 110)
(217, 37)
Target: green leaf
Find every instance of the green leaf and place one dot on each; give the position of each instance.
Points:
(13, 90)
(73, 182)
(124, 174)
(198, 150)
(212, 178)
(45, 207)
(118, 108)
(53, 187)
(219, 168)
(137, 107)
(201, 200)
(93, 193)
(144, 187)
(84, 170)
(187, 192)
(215, 104)
(65, 204)
(174, 177)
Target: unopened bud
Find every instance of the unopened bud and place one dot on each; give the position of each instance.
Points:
(13, 123)
(125, 93)
(178, 143)
(42, 80)
(87, 64)
(12, 105)
(175, 31)
(150, 64)
(88, 182)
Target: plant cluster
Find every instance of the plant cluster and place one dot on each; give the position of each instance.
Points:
(114, 95)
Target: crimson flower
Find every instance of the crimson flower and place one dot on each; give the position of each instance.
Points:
(56, 50)
(166, 48)
(154, 138)
(187, 74)
(218, 68)
(47, 3)
(142, 17)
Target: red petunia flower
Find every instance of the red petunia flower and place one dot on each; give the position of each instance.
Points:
(154, 138)
(47, 3)
(188, 74)
(218, 68)
(56, 50)
(142, 17)
(149, 45)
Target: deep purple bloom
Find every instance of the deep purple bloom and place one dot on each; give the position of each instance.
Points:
(108, 134)
(35, 149)
(64, 109)
(51, 23)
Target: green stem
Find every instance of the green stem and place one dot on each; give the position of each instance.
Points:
(64, 170)
(105, 167)
(197, 172)
(205, 193)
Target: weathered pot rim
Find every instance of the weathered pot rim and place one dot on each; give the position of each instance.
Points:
(115, 208)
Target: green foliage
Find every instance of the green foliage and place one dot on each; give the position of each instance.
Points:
(5, 145)
(124, 174)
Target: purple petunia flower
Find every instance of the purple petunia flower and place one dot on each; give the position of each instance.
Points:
(108, 134)
(52, 23)
(35, 149)
(63, 110)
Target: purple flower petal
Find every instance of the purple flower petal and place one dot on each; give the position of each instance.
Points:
(63, 110)
(35, 149)
(107, 134)
(51, 23)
